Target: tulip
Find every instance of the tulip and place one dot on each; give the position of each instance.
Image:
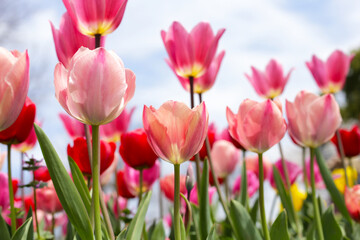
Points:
(252, 164)
(120, 204)
(194, 195)
(350, 140)
(190, 54)
(319, 183)
(312, 120)
(94, 17)
(293, 169)
(211, 136)
(271, 83)
(225, 157)
(167, 186)
(252, 184)
(190, 179)
(20, 129)
(47, 199)
(95, 88)
(330, 76)
(122, 185)
(136, 151)
(14, 85)
(73, 127)
(42, 174)
(352, 201)
(338, 175)
(29, 142)
(2, 159)
(175, 132)
(113, 130)
(132, 176)
(68, 40)
(225, 135)
(257, 126)
(79, 153)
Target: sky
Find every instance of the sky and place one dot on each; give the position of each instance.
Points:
(256, 31)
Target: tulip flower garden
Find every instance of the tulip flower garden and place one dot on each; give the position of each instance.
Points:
(89, 200)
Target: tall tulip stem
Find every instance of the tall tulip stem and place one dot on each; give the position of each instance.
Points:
(177, 202)
(11, 192)
(96, 179)
(35, 210)
(313, 193)
(261, 198)
(342, 156)
(22, 183)
(304, 169)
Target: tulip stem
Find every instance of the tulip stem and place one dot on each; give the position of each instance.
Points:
(342, 156)
(313, 193)
(96, 180)
(53, 224)
(261, 198)
(227, 189)
(160, 195)
(141, 181)
(11, 192)
(97, 40)
(177, 202)
(304, 170)
(22, 183)
(35, 209)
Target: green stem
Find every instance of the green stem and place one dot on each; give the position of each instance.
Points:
(22, 183)
(226, 183)
(106, 216)
(96, 180)
(177, 202)
(261, 199)
(35, 210)
(342, 156)
(53, 223)
(313, 194)
(160, 195)
(141, 180)
(304, 170)
(11, 192)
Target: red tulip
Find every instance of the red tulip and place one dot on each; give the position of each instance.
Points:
(136, 151)
(42, 174)
(20, 129)
(350, 140)
(167, 186)
(122, 187)
(29, 143)
(79, 153)
(73, 127)
(330, 76)
(352, 201)
(14, 85)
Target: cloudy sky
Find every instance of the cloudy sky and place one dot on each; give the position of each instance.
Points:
(256, 31)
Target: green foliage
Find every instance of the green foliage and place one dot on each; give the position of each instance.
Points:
(279, 229)
(4, 229)
(204, 206)
(23, 232)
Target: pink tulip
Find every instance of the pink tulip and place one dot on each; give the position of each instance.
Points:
(47, 199)
(293, 170)
(29, 142)
(132, 176)
(174, 131)
(312, 120)
(194, 196)
(68, 40)
(330, 76)
(190, 54)
(4, 196)
(94, 17)
(319, 183)
(167, 186)
(252, 184)
(14, 85)
(73, 127)
(224, 157)
(271, 83)
(95, 88)
(119, 205)
(113, 130)
(257, 126)
(352, 201)
(252, 164)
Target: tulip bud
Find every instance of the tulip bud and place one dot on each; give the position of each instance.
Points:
(190, 180)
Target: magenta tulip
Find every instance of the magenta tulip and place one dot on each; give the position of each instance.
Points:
(14, 85)
(74, 128)
(176, 132)
(94, 17)
(312, 120)
(257, 126)
(95, 88)
(330, 76)
(252, 184)
(68, 40)
(194, 195)
(224, 156)
(293, 170)
(271, 83)
(190, 54)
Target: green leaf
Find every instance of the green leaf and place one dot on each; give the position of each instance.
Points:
(285, 199)
(23, 231)
(122, 235)
(279, 229)
(254, 211)
(336, 196)
(241, 218)
(135, 228)
(31, 230)
(80, 184)
(68, 195)
(4, 229)
(70, 234)
(212, 234)
(182, 230)
(243, 190)
(158, 232)
(331, 228)
(204, 206)
(196, 219)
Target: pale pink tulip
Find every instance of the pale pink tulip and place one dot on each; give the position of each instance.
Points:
(174, 131)
(312, 120)
(96, 87)
(252, 184)
(252, 164)
(257, 126)
(352, 201)
(194, 196)
(330, 76)
(68, 40)
(73, 127)
(190, 54)
(271, 83)
(47, 199)
(224, 156)
(113, 130)
(94, 17)
(293, 170)
(132, 176)
(14, 85)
